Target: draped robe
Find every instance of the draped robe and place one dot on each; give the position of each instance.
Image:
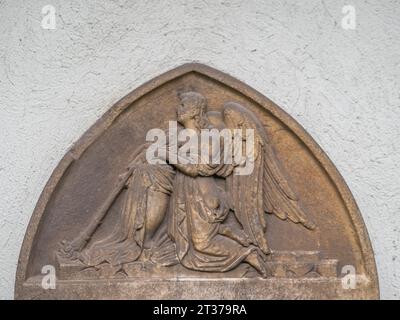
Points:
(125, 243)
(198, 206)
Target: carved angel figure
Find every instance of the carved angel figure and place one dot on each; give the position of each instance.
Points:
(207, 244)
(201, 215)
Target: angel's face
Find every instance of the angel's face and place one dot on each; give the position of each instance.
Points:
(186, 111)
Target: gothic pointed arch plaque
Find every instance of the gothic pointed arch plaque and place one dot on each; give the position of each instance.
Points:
(127, 215)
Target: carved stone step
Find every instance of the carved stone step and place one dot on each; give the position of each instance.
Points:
(281, 264)
(327, 268)
(295, 256)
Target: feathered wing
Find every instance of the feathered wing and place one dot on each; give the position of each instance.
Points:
(266, 188)
(278, 197)
(247, 201)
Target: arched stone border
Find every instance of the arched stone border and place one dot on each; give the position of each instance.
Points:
(107, 119)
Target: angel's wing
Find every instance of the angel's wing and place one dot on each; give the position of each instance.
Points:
(266, 188)
(278, 197)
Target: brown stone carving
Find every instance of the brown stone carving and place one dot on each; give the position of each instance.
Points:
(114, 225)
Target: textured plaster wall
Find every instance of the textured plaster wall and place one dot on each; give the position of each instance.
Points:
(341, 85)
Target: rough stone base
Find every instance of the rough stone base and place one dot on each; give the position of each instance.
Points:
(197, 289)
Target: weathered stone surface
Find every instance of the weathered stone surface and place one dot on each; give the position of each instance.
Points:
(115, 227)
(201, 289)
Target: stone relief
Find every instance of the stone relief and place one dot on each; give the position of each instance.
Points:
(169, 228)
(178, 214)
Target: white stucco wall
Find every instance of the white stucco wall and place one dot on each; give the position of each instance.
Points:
(341, 85)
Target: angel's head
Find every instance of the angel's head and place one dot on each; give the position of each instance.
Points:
(192, 108)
